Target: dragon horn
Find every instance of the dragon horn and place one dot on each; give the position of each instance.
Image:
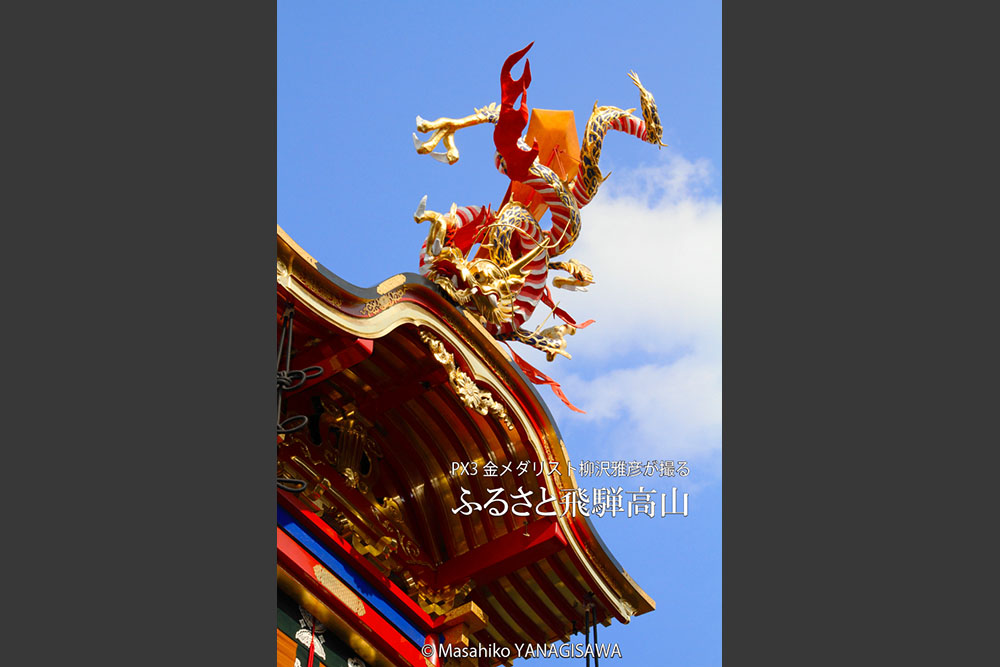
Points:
(518, 266)
(509, 87)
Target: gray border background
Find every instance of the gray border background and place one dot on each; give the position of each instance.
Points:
(141, 402)
(139, 242)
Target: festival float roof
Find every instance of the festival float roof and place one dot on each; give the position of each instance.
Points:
(411, 383)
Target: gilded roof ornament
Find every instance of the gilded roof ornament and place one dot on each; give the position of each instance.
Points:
(465, 387)
(496, 263)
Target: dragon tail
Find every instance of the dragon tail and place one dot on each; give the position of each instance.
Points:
(602, 119)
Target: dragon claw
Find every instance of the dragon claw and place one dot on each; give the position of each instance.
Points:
(494, 276)
(421, 207)
(444, 131)
(554, 341)
(580, 273)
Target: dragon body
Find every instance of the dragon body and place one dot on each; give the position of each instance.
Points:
(506, 278)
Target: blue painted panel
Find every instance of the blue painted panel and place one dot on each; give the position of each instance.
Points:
(350, 577)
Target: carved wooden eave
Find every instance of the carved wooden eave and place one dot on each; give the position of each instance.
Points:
(411, 383)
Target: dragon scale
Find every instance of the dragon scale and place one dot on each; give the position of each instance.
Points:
(505, 279)
(588, 178)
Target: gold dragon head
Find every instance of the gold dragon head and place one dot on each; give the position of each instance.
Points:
(481, 284)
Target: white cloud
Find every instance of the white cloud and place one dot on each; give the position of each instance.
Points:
(662, 410)
(652, 363)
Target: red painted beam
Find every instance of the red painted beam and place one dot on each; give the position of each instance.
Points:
(338, 545)
(332, 358)
(558, 627)
(503, 555)
(554, 595)
(534, 634)
(370, 624)
(580, 593)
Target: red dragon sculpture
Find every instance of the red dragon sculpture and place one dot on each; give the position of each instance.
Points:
(504, 280)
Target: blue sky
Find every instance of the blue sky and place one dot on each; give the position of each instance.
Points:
(351, 80)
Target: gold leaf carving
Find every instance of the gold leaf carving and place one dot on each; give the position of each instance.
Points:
(436, 600)
(390, 284)
(339, 590)
(378, 305)
(465, 387)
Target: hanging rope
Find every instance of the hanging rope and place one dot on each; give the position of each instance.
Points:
(291, 485)
(589, 621)
(289, 379)
(596, 652)
(312, 642)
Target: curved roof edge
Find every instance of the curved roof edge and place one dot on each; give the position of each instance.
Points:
(372, 312)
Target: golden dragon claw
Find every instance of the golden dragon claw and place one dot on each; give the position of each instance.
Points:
(444, 131)
(440, 224)
(556, 341)
(581, 275)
